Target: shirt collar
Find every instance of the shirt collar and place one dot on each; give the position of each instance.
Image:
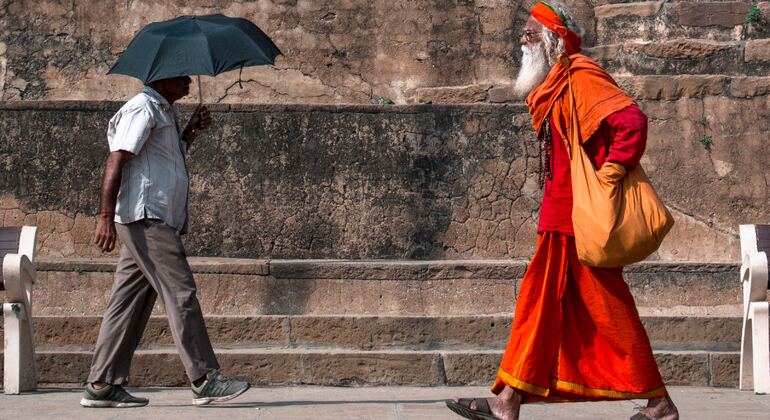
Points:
(156, 97)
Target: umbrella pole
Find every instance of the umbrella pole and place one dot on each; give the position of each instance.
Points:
(200, 91)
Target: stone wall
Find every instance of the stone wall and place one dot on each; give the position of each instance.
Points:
(378, 181)
(335, 51)
(419, 181)
(356, 51)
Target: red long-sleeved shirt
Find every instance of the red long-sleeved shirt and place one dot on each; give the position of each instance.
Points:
(621, 138)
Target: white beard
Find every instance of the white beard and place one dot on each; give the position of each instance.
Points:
(534, 69)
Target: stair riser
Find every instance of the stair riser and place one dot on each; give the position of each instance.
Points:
(726, 62)
(380, 333)
(424, 369)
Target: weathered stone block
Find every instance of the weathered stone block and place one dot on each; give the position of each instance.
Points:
(671, 88)
(642, 9)
(746, 87)
(706, 285)
(499, 94)
(726, 14)
(688, 49)
(694, 333)
(757, 50)
(604, 53)
(684, 369)
(472, 368)
(451, 95)
(387, 368)
(725, 369)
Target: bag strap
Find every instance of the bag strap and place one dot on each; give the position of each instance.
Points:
(573, 142)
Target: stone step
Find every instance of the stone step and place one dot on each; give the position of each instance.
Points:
(161, 367)
(685, 56)
(384, 287)
(668, 87)
(660, 21)
(380, 332)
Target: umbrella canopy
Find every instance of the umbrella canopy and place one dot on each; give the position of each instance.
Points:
(195, 45)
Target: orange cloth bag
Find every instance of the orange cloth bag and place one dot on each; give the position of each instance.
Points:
(617, 216)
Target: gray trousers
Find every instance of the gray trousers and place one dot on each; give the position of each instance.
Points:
(152, 263)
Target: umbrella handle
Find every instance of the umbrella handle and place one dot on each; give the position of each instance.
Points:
(200, 91)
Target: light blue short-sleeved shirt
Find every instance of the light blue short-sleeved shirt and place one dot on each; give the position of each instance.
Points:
(154, 182)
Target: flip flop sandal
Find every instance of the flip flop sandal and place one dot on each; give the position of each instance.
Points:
(641, 416)
(463, 408)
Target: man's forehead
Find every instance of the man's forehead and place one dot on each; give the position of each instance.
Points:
(532, 23)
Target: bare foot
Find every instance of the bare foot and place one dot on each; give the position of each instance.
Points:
(505, 406)
(662, 408)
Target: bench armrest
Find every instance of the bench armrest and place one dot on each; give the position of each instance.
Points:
(754, 276)
(18, 276)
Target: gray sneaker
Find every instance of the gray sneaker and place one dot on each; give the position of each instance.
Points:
(110, 396)
(217, 388)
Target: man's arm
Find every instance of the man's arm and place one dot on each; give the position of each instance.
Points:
(105, 234)
(628, 128)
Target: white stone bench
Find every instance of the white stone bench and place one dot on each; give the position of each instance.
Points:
(17, 254)
(755, 344)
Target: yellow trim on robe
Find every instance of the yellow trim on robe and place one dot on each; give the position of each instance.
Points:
(519, 384)
(607, 393)
(578, 389)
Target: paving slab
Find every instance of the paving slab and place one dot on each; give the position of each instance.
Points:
(387, 403)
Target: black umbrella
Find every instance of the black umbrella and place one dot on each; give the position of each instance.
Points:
(195, 45)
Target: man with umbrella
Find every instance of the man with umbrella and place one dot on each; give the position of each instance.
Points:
(143, 202)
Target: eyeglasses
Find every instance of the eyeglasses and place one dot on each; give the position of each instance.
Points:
(530, 35)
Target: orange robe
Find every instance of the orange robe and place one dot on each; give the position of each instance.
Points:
(576, 333)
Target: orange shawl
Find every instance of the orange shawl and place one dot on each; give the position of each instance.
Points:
(596, 97)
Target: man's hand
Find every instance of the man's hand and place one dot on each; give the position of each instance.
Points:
(611, 173)
(199, 122)
(105, 234)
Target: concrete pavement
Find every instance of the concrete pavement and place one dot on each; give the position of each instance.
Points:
(396, 403)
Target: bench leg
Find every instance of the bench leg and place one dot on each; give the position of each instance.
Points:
(746, 378)
(18, 350)
(761, 346)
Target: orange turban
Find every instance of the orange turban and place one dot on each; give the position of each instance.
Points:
(551, 19)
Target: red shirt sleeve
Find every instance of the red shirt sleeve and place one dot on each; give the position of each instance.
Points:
(628, 136)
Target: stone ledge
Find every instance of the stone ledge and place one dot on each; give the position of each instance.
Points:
(394, 288)
(212, 265)
(671, 88)
(371, 269)
(449, 94)
(681, 48)
(113, 106)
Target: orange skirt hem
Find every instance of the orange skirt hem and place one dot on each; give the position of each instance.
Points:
(576, 392)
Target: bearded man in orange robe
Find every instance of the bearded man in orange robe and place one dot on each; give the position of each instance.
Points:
(576, 333)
